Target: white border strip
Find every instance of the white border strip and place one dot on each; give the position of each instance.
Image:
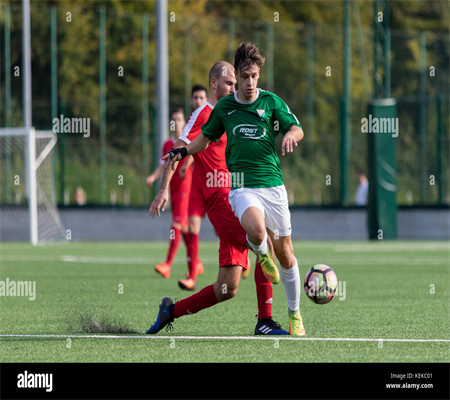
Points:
(272, 337)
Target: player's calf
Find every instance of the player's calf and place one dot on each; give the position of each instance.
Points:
(283, 250)
(227, 283)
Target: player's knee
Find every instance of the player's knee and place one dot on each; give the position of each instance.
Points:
(194, 225)
(193, 228)
(177, 225)
(229, 293)
(257, 235)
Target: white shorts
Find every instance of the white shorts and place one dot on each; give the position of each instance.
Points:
(272, 202)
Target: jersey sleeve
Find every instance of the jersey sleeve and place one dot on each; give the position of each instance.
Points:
(284, 115)
(166, 148)
(193, 126)
(213, 129)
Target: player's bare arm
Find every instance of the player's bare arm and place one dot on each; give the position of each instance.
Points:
(155, 176)
(162, 197)
(291, 138)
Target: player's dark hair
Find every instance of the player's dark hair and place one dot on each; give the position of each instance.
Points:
(198, 88)
(247, 54)
(176, 111)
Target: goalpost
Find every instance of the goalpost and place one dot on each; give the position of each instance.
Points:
(27, 191)
(24, 175)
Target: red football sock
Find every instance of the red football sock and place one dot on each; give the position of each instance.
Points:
(185, 237)
(174, 243)
(192, 254)
(264, 292)
(198, 301)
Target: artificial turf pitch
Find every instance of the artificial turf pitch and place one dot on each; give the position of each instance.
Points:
(393, 290)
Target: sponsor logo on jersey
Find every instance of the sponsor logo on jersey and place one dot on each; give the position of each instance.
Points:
(248, 131)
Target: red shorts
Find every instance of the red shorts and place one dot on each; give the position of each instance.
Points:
(179, 202)
(196, 198)
(232, 250)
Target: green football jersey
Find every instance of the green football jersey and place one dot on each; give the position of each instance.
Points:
(251, 127)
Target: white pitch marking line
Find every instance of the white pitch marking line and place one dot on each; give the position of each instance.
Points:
(145, 261)
(273, 337)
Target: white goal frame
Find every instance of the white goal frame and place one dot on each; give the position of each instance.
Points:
(32, 163)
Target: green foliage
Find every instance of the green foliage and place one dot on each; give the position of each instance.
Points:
(204, 26)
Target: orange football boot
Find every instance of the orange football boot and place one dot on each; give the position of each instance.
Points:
(187, 284)
(200, 268)
(163, 269)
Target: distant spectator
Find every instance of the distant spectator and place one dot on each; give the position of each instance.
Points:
(80, 196)
(362, 192)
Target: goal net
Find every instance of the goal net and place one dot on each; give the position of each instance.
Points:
(27, 190)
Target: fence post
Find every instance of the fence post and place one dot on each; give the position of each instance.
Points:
(310, 98)
(231, 38)
(440, 150)
(269, 57)
(345, 106)
(387, 51)
(62, 157)
(187, 66)
(102, 105)
(423, 118)
(145, 118)
(155, 150)
(54, 84)
(8, 99)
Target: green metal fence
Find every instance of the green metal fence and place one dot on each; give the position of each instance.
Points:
(102, 64)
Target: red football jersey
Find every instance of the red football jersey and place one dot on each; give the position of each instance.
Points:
(176, 182)
(211, 162)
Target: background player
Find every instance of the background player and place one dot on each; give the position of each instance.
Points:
(198, 96)
(179, 195)
(252, 118)
(196, 208)
(233, 251)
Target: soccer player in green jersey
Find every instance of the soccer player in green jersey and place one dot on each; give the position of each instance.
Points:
(252, 118)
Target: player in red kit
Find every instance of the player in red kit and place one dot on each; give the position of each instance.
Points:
(196, 209)
(180, 188)
(233, 251)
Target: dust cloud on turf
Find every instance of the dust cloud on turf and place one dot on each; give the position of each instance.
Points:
(90, 323)
(89, 305)
(83, 318)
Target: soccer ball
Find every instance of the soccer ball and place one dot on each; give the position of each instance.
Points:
(320, 284)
